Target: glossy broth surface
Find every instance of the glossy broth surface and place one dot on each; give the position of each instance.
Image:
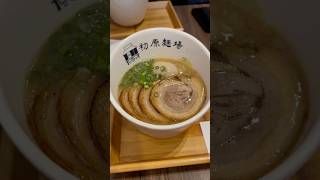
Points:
(162, 91)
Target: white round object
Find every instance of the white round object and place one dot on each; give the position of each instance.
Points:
(128, 12)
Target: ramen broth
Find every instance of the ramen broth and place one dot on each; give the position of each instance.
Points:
(67, 94)
(162, 91)
(259, 94)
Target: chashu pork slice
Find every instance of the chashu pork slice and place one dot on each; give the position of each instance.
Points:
(124, 101)
(99, 117)
(51, 137)
(179, 98)
(149, 110)
(75, 102)
(133, 96)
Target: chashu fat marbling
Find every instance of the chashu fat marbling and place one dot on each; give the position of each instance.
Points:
(180, 98)
(149, 110)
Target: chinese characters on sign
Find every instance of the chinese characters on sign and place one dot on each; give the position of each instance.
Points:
(178, 44)
(155, 43)
(164, 43)
(131, 53)
(143, 46)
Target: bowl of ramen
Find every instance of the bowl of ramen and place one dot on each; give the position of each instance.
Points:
(58, 78)
(265, 93)
(160, 80)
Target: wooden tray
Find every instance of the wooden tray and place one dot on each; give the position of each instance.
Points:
(131, 150)
(158, 14)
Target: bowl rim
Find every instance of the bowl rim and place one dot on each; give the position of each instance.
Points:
(133, 120)
(298, 157)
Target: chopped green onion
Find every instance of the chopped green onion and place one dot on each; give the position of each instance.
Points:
(141, 73)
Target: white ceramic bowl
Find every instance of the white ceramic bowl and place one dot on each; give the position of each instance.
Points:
(191, 48)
